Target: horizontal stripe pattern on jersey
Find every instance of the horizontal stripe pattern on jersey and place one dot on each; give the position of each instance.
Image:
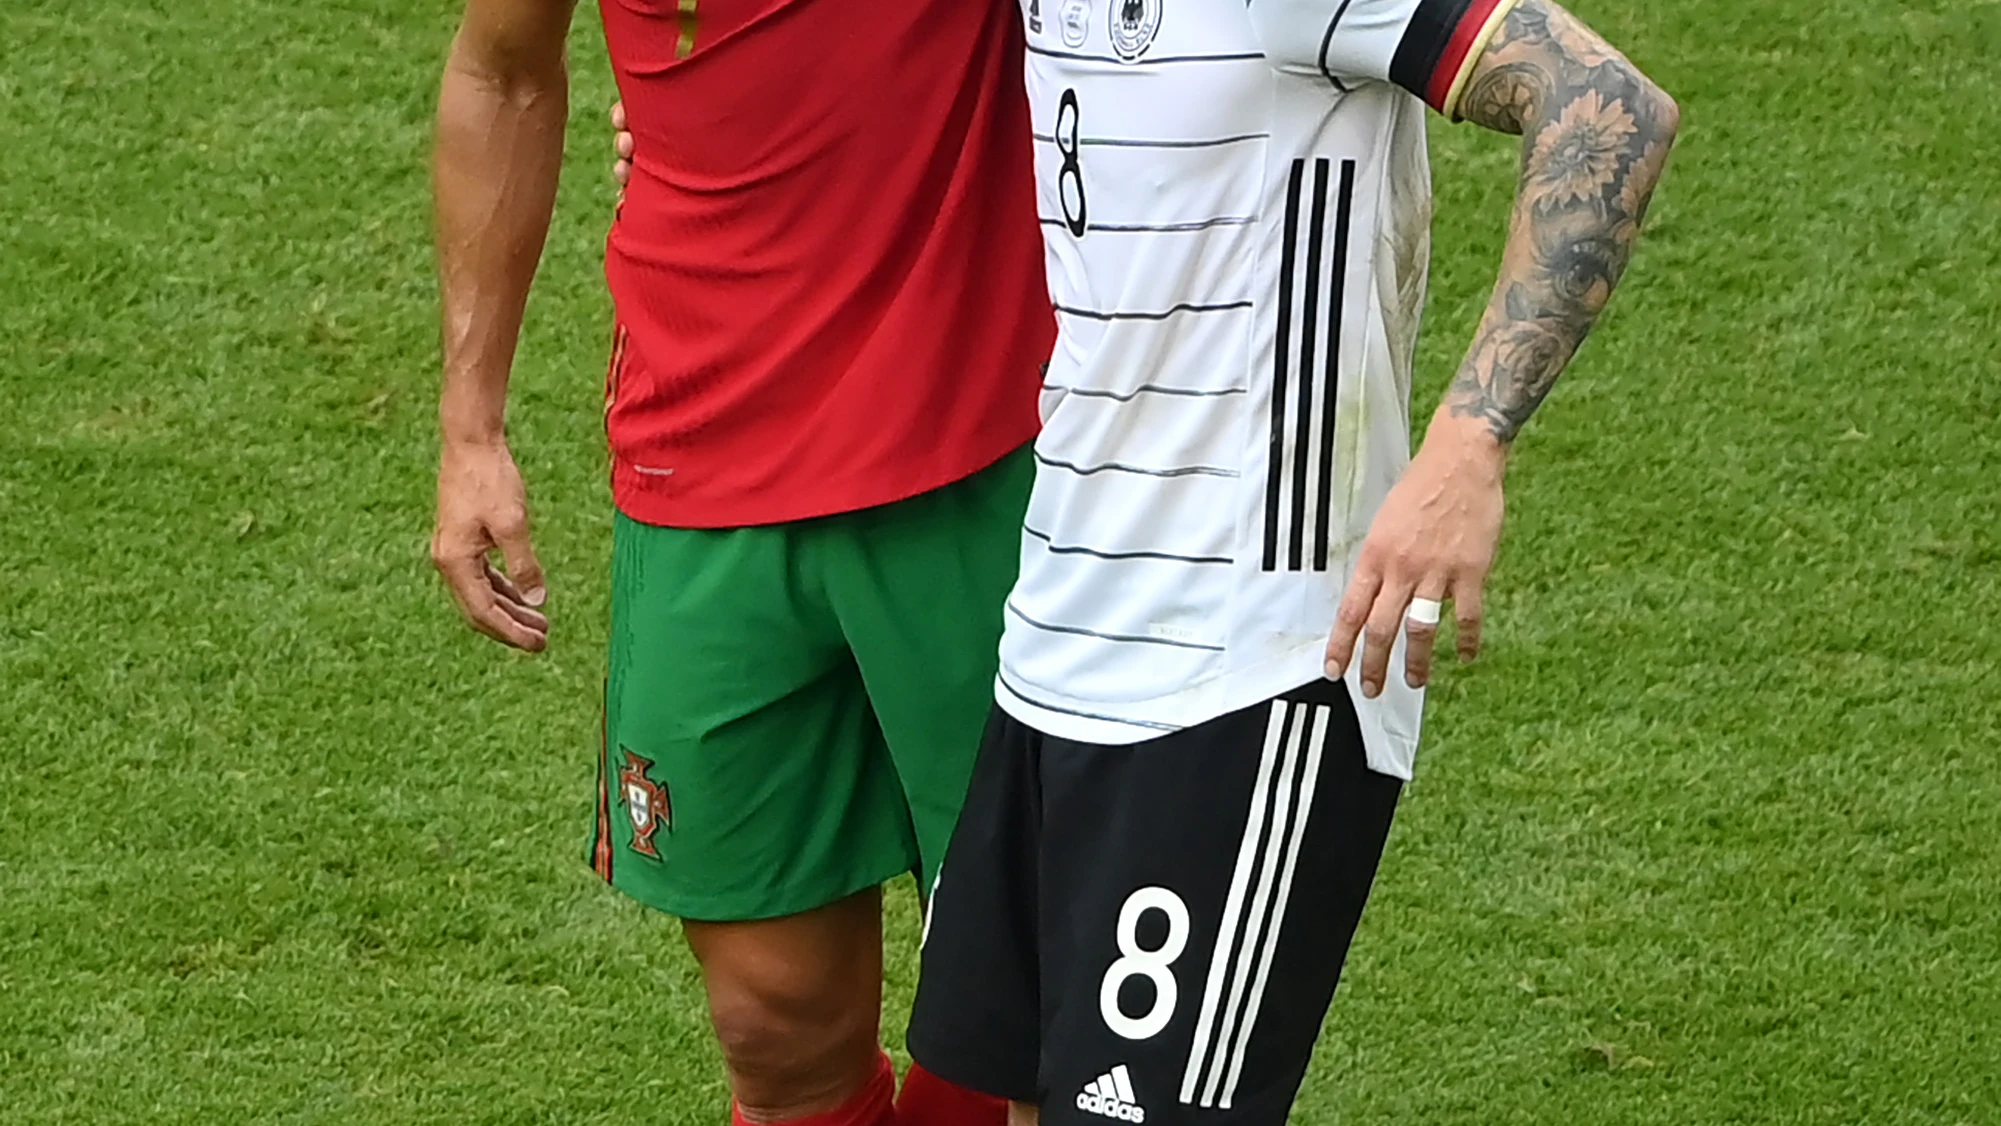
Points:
(825, 267)
(1235, 207)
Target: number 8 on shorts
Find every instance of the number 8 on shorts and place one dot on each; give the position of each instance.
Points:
(1157, 966)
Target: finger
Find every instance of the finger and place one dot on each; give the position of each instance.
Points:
(618, 116)
(461, 572)
(1420, 638)
(522, 618)
(1469, 607)
(1351, 617)
(522, 566)
(622, 145)
(493, 620)
(512, 601)
(498, 580)
(481, 605)
(496, 617)
(1379, 638)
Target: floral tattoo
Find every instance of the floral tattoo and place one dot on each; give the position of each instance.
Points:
(1595, 139)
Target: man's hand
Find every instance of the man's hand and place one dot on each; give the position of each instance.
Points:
(483, 507)
(621, 144)
(1435, 538)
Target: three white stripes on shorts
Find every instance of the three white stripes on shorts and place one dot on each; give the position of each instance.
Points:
(1262, 883)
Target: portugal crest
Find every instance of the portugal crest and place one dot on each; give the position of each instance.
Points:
(646, 802)
(1134, 23)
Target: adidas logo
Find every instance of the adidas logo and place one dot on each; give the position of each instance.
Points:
(1112, 1096)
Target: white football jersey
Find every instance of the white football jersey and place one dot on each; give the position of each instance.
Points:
(1236, 207)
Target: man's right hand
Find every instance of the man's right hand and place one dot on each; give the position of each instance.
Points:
(621, 144)
(483, 507)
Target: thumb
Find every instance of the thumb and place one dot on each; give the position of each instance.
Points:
(522, 566)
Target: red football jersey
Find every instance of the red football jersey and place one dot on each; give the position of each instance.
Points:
(827, 268)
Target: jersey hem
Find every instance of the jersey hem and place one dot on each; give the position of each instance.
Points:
(1391, 749)
(642, 497)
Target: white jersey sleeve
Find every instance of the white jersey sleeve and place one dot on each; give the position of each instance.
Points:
(1425, 46)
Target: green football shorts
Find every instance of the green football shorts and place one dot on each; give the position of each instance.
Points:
(793, 711)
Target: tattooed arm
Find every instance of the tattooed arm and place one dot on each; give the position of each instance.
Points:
(1595, 138)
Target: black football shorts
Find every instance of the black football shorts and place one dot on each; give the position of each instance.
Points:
(1152, 933)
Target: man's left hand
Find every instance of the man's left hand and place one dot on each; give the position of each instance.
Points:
(621, 145)
(1434, 538)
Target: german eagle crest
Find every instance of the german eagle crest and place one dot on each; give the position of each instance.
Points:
(1134, 23)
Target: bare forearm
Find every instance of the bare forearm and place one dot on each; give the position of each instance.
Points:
(499, 151)
(1595, 140)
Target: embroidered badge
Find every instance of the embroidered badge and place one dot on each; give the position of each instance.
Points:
(646, 803)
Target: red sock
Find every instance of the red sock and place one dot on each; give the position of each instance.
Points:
(930, 1101)
(873, 1106)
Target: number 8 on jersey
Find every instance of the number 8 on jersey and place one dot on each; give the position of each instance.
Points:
(1070, 175)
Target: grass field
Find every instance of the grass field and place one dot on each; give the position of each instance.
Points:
(1712, 836)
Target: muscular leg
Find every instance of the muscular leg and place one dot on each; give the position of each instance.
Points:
(797, 1003)
(1022, 1114)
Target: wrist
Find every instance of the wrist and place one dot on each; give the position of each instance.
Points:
(470, 427)
(1466, 440)
(472, 441)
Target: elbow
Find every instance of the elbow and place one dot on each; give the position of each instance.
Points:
(514, 75)
(1663, 110)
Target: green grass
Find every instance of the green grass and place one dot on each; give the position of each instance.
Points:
(1711, 836)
